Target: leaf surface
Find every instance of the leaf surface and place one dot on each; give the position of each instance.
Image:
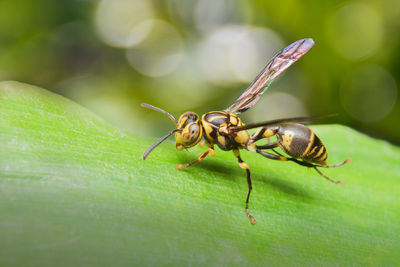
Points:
(74, 190)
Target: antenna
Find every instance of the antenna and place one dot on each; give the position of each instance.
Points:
(145, 105)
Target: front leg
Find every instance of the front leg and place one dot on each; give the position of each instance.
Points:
(210, 151)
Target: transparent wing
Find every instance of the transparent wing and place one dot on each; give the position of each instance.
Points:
(303, 120)
(278, 64)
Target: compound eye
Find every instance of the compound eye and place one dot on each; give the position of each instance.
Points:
(194, 130)
(191, 133)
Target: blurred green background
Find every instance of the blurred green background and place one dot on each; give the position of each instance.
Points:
(200, 55)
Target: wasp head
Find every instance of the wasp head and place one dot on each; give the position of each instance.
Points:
(190, 130)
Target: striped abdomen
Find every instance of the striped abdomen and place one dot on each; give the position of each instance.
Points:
(299, 141)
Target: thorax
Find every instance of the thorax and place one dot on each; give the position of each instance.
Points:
(215, 126)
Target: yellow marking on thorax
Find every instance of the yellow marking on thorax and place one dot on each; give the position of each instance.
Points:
(223, 128)
(242, 137)
(207, 128)
(234, 120)
(221, 140)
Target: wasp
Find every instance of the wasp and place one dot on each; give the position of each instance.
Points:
(226, 130)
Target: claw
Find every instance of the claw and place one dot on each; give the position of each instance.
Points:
(252, 219)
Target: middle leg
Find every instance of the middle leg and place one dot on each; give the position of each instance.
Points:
(244, 165)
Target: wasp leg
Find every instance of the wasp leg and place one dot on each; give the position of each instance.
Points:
(244, 165)
(199, 158)
(334, 165)
(257, 135)
(265, 132)
(316, 166)
(329, 179)
(271, 156)
(268, 146)
(306, 164)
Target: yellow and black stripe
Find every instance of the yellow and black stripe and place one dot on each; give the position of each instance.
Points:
(299, 141)
(216, 125)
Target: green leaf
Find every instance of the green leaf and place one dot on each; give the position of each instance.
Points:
(74, 190)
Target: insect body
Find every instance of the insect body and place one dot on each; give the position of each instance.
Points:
(300, 141)
(216, 125)
(226, 130)
(296, 140)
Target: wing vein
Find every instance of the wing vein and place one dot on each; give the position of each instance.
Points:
(276, 66)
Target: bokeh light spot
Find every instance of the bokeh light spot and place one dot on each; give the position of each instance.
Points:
(369, 94)
(181, 11)
(117, 20)
(160, 53)
(211, 14)
(355, 31)
(252, 51)
(275, 105)
(235, 53)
